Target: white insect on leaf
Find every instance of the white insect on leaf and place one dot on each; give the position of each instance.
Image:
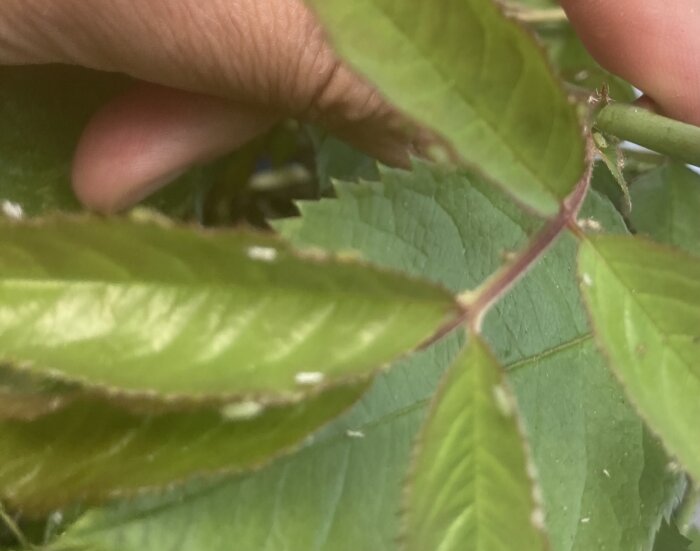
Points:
(504, 402)
(264, 254)
(308, 378)
(509, 256)
(537, 518)
(240, 411)
(587, 280)
(355, 434)
(585, 520)
(12, 210)
(146, 215)
(589, 224)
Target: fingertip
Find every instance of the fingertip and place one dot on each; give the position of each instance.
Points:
(653, 44)
(147, 137)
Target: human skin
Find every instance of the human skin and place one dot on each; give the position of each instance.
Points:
(217, 73)
(654, 44)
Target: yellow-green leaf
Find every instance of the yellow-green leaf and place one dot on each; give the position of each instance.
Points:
(644, 301)
(91, 450)
(470, 487)
(26, 397)
(463, 69)
(171, 312)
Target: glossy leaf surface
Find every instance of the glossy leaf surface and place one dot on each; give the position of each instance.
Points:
(176, 313)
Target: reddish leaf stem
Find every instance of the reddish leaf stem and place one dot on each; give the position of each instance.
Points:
(480, 301)
(477, 303)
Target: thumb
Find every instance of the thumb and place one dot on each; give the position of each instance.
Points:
(231, 49)
(144, 139)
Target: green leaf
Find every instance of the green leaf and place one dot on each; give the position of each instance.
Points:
(695, 539)
(337, 160)
(91, 450)
(612, 157)
(666, 206)
(44, 110)
(605, 183)
(26, 397)
(644, 301)
(461, 68)
(173, 313)
(469, 486)
(342, 492)
(670, 539)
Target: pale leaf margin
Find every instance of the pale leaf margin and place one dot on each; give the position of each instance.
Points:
(677, 430)
(493, 399)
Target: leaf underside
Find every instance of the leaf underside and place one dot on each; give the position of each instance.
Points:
(91, 450)
(477, 78)
(666, 206)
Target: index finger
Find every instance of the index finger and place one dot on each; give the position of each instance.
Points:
(654, 44)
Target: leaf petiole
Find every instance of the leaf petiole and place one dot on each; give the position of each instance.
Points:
(479, 301)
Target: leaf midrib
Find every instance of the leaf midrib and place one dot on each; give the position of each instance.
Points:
(219, 287)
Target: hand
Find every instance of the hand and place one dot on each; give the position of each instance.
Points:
(654, 44)
(224, 71)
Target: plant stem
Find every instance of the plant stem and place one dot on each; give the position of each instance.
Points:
(13, 528)
(476, 304)
(480, 301)
(641, 126)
